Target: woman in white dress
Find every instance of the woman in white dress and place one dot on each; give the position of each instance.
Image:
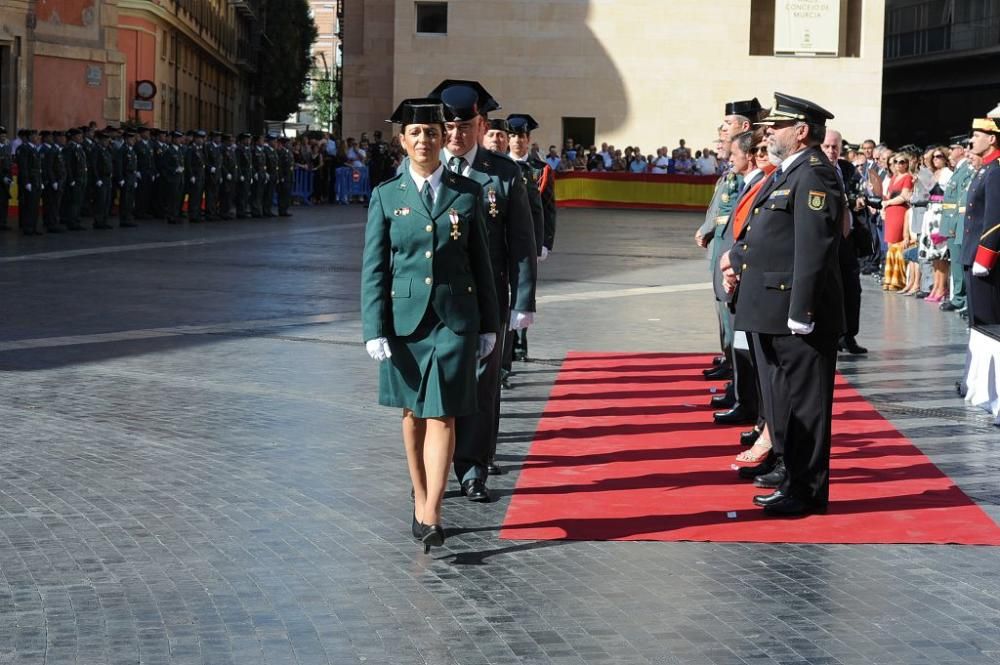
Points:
(933, 246)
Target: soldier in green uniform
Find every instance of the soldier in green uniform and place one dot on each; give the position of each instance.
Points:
(77, 179)
(271, 181)
(541, 180)
(428, 304)
(89, 143)
(6, 176)
(258, 183)
(144, 173)
(53, 179)
(126, 166)
(172, 174)
(29, 182)
(194, 170)
(227, 176)
(243, 176)
(102, 169)
(513, 255)
(956, 194)
(212, 152)
(286, 177)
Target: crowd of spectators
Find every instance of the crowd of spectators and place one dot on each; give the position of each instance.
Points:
(680, 160)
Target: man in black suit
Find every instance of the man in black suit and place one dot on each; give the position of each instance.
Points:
(981, 246)
(850, 269)
(785, 272)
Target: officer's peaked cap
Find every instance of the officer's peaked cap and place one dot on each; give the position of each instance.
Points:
(464, 100)
(788, 108)
(499, 124)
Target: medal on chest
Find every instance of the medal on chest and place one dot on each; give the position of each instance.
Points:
(491, 194)
(401, 212)
(453, 216)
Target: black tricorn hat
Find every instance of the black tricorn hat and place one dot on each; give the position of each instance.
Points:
(499, 124)
(788, 108)
(521, 123)
(418, 111)
(958, 141)
(748, 108)
(177, 134)
(464, 100)
(73, 131)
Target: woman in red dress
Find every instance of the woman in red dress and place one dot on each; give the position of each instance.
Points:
(894, 208)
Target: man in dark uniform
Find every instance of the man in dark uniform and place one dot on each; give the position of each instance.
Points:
(785, 271)
(29, 182)
(259, 181)
(981, 246)
(243, 176)
(126, 166)
(89, 143)
(514, 257)
(379, 161)
(6, 176)
(227, 177)
(194, 169)
(271, 181)
(213, 175)
(286, 176)
(102, 170)
(172, 175)
(145, 173)
(77, 175)
(54, 179)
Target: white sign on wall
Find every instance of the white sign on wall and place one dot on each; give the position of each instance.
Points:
(807, 27)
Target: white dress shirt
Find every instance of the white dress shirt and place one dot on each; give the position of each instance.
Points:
(469, 157)
(434, 179)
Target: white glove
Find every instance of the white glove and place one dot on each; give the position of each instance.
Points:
(138, 175)
(229, 176)
(100, 183)
(121, 183)
(545, 253)
(521, 320)
(55, 186)
(212, 170)
(135, 185)
(979, 270)
(378, 348)
(7, 181)
(27, 186)
(242, 179)
(179, 169)
(193, 179)
(486, 343)
(73, 184)
(797, 328)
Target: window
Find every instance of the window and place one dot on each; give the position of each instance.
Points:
(582, 131)
(432, 18)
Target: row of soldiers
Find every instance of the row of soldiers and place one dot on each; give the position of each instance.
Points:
(63, 177)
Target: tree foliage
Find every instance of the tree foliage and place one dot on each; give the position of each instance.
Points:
(323, 96)
(289, 32)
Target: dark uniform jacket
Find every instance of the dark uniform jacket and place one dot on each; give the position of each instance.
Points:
(787, 252)
(126, 164)
(171, 163)
(414, 260)
(213, 161)
(545, 179)
(982, 215)
(244, 163)
(144, 160)
(6, 169)
(535, 202)
(76, 164)
(286, 165)
(102, 166)
(194, 164)
(228, 164)
(29, 167)
(53, 166)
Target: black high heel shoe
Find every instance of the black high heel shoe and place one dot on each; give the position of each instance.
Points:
(433, 536)
(418, 533)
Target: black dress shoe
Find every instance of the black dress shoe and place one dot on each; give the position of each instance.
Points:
(475, 490)
(964, 313)
(789, 506)
(772, 479)
(723, 402)
(718, 360)
(920, 295)
(768, 499)
(765, 467)
(749, 438)
(738, 415)
(494, 469)
(723, 372)
(432, 536)
(418, 531)
(960, 388)
(851, 346)
(947, 306)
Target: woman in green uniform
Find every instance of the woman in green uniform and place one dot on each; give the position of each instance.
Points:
(428, 304)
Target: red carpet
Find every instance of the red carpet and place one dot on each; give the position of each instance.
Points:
(626, 450)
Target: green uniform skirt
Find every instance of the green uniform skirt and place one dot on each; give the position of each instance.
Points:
(431, 372)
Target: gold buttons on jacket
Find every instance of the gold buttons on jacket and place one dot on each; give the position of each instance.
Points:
(427, 254)
(428, 281)
(744, 245)
(470, 289)
(781, 286)
(744, 266)
(756, 210)
(428, 228)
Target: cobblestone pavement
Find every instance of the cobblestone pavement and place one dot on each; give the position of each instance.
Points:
(194, 471)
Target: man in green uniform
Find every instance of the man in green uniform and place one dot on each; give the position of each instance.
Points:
(212, 151)
(29, 182)
(271, 181)
(53, 178)
(227, 176)
(77, 176)
(285, 177)
(513, 254)
(194, 169)
(144, 173)
(6, 176)
(102, 168)
(172, 174)
(956, 194)
(126, 166)
(258, 183)
(243, 176)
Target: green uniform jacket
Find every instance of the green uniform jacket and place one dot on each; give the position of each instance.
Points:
(535, 202)
(194, 165)
(545, 179)
(956, 194)
(408, 251)
(722, 237)
(29, 167)
(244, 164)
(76, 165)
(286, 165)
(707, 228)
(171, 163)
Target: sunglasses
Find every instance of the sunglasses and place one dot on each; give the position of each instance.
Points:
(761, 150)
(939, 157)
(900, 161)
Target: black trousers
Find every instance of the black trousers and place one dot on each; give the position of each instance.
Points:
(27, 207)
(983, 297)
(800, 372)
(211, 197)
(476, 434)
(850, 276)
(745, 380)
(4, 204)
(52, 211)
(195, 192)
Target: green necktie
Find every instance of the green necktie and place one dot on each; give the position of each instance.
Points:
(457, 165)
(428, 196)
